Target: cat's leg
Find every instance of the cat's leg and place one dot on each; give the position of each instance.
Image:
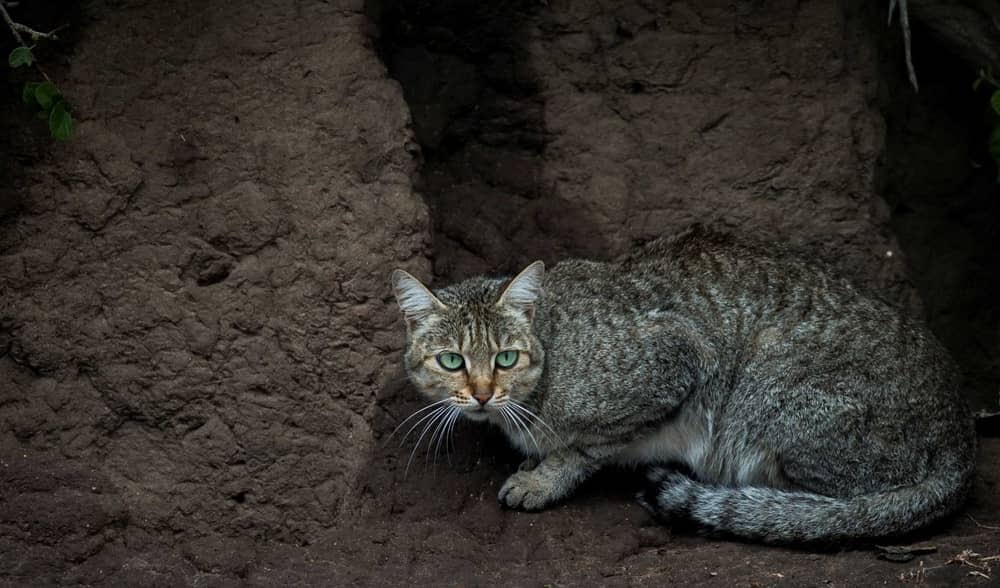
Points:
(553, 479)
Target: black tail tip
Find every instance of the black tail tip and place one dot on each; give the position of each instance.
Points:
(647, 499)
(660, 497)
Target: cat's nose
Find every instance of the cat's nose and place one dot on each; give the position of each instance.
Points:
(482, 389)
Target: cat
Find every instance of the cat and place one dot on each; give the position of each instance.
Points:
(796, 407)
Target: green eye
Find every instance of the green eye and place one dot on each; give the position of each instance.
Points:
(450, 361)
(506, 359)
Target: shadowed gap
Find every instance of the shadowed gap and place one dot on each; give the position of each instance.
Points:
(940, 181)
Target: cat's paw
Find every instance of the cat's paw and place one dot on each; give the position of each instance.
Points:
(527, 465)
(527, 490)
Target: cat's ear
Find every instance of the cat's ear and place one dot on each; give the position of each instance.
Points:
(524, 289)
(414, 299)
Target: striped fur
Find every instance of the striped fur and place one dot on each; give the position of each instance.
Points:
(802, 408)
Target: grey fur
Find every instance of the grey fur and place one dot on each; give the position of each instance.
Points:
(804, 409)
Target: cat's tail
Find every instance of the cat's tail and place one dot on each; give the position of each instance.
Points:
(782, 516)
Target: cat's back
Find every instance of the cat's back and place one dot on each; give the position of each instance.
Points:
(702, 256)
(774, 315)
(754, 306)
(747, 285)
(725, 287)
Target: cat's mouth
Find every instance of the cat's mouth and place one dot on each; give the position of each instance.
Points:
(492, 410)
(477, 414)
(478, 411)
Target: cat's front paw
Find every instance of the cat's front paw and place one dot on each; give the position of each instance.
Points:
(528, 490)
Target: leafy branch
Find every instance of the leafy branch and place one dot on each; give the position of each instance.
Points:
(44, 96)
(986, 77)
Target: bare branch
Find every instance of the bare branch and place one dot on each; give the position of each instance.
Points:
(904, 22)
(51, 35)
(13, 25)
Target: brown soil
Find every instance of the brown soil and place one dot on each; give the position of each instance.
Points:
(199, 354)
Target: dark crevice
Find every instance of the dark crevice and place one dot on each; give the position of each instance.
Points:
(479, 115)
(476, 114)
(940, 182)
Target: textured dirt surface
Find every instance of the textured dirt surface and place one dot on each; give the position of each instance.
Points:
(198, 351)
(194, 303)
(586, 127)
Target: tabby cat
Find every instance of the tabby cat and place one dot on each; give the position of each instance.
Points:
(797, 408)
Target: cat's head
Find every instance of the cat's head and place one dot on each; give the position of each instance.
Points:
(471, 344)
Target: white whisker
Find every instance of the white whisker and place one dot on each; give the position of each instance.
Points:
(438, 434)
(451, 431)
(510, 424)
(415, 413)
(548, 428)
(444, 432)
(422, 419)
(436, 415)
(525, 426)
(518, 425)
(434, 434)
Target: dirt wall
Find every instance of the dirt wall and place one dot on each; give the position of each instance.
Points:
(199, 355)
(584, 128)
(195, 319)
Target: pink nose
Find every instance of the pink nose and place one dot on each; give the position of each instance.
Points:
(483, 395)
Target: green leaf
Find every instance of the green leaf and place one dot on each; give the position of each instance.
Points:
(47, 94)
(995, 101)
(28, 93)
(20, 56)
(60, 122)
(977, 83)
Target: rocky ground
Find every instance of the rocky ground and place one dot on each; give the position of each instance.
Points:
(199, 354)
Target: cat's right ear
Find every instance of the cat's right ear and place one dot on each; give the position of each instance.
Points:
(524, 289)
(414, 299)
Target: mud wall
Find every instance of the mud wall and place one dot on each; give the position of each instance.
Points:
(193, 289)
(584, 128)
(198, 350)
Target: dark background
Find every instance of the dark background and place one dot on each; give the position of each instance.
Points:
(199, 353)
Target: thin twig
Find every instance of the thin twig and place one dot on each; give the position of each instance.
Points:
(904, 21)
(16, 29)
(982, 526)
(51, 35)
(12, 25)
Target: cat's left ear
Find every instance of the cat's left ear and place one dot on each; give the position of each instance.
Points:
(414, 299)
(524, 289)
